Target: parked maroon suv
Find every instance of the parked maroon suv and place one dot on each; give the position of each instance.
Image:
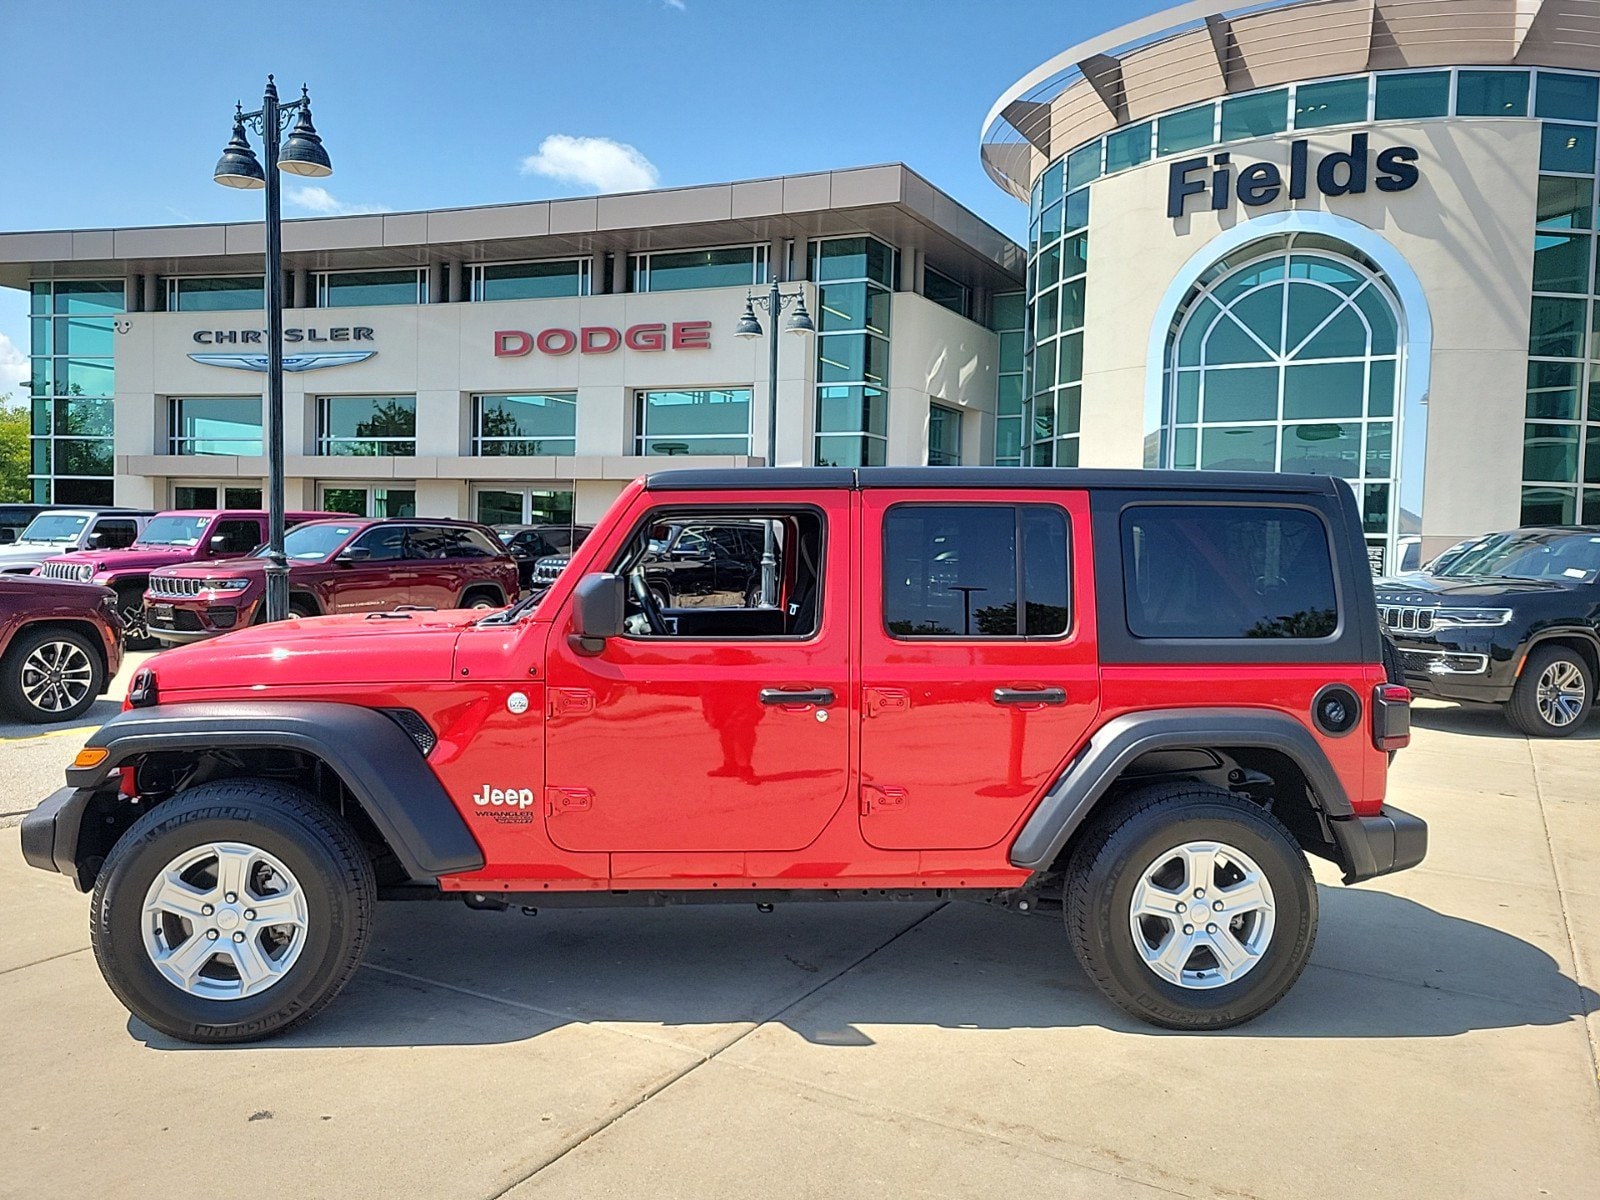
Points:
(181, 536)
(60, 644)
(344, 566)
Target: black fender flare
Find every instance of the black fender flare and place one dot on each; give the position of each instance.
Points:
(1120, 740)
(1550, 633)
(376, 759)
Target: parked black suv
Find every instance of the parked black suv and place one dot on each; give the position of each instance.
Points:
(1509, 618)
(529, 543)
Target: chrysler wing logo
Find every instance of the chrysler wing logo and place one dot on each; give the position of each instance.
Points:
(313, 361)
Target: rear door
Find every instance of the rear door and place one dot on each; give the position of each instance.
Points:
(978, 665)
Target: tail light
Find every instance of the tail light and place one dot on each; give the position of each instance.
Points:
(1391, 716)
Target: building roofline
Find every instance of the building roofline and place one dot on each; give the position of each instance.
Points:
(821, 203)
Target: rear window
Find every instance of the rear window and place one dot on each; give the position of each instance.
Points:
(1227, 571)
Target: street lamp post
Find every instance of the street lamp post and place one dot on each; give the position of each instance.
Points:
(773, 304)
(302, 154)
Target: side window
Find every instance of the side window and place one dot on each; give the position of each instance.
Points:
(1227, 571)
(237, 536)
(469, 543)
(385, 544)
(693, 576)
(113, 533)
(533, 544)
(955, 571)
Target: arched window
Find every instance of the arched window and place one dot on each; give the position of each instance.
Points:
(1285, 356)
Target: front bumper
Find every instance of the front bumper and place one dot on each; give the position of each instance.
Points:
(1467, 669)
(179, 623)
(1372, 846)
(50, 833)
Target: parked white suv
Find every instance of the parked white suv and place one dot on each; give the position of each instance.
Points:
(63, 530)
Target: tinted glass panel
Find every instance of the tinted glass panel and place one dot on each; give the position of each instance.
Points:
(531, 281)
(386, 544)
(368, 425)
(1338, 102)
(1426, 94)
(1492, 93)
(1561, 262)
(1566, 97)
(1255, 116)
(713, 421)
(1227, 571)
(1566, 148)
(1127, 147)
(1566, 203)
(343, 289)
(855, 258)
(1185, 130)
(681, 270)
(540, 423)
(217, 295)
(1083, 166)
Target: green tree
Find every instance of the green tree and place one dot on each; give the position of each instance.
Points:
(14, 486)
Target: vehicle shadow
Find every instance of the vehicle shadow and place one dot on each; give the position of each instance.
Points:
(439, 974)
(1483, 721)
(96, 715)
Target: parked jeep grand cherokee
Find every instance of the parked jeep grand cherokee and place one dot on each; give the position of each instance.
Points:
(344, 566)
(60, 644)
(1134, 701)
(180, 536)
(1509, 618)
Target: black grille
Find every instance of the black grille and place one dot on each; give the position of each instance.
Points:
(418, 729)
(1407, 618)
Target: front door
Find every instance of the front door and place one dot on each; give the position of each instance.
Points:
(718, 724)
(377, 578)
(978, 664)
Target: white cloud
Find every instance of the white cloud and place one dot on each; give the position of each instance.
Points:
(595, 163)
(13, 366)
(677, 4)
(325, 204)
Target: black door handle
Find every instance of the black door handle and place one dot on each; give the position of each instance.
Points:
(818, 696)
(1049, 695)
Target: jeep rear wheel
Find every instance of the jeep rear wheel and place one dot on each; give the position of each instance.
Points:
(1554, 693)
(135, 625)
(232, 912)
(1191, 908)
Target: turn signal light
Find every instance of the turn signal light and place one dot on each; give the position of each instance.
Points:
(91, 756)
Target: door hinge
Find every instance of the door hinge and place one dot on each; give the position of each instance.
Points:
(882, 700)
(566, 800)
(561, 702)
(881, 798)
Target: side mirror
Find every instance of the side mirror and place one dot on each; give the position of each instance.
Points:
(218, 544)
(97, 541)
(354, 554)
(597, 611)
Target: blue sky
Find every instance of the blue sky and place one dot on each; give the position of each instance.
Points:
(116, 112)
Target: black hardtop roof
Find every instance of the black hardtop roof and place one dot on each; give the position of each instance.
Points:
(1024, 478)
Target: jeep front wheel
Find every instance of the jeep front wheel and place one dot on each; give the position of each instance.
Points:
(1554, 693)
(232, 912)
(1191, 908)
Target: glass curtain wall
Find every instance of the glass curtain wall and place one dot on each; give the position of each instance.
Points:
(535, 424)
(855, 283)
(1286, 357)
(1057, 277)
(1008, 318)
(72, 328)
(216, 425)
(701, 421)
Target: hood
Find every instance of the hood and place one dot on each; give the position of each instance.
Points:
(128, 558)
(29, 552)
(216, 568)
(1419, 588)
(35, 589)
(303, 652)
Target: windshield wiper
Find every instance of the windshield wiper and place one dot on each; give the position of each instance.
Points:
(516, 610)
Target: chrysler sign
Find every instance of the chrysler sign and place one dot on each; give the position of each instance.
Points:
(603, 339)
(307, 360)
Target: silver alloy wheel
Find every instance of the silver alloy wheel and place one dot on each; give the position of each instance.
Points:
(1560, 693)
(224, 920)
(1202, 915)
(56, 676)
(134, 626)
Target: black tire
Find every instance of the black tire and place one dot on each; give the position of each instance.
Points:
(1524, 709)
(300, 606)
(14, 697)
(135, 628)
(315, 844)
(482, 598)
(1106, 867)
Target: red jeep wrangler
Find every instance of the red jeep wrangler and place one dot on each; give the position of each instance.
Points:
(1136, 700)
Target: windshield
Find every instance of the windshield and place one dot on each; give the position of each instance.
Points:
(54, 528)
(314, 542)
(174, 531)
(1527, 556)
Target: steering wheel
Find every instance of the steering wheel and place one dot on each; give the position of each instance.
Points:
(647, 602)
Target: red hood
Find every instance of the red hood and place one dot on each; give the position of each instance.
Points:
(128, 558)
(214, 568)
(415, 648)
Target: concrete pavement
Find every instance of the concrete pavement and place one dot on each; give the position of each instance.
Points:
(1442, 1043)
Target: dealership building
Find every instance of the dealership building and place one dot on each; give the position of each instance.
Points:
(1354, 237)
(521, 362)
(1343, 236)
